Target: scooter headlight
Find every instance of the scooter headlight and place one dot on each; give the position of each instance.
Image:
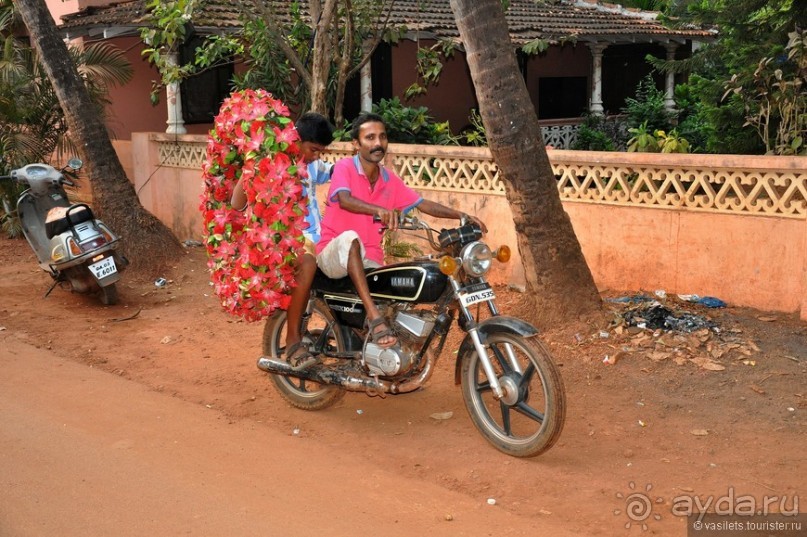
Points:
(476, 258)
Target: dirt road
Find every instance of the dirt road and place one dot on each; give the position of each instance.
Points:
(168, 427)
(84, 452)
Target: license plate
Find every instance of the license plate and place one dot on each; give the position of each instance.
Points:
(105, 267)
(477, 297)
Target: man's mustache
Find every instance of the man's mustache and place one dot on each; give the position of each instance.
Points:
(378, 149)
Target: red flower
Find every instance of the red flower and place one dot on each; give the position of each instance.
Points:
(252, 254)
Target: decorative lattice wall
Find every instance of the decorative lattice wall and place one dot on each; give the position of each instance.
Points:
(767, 186)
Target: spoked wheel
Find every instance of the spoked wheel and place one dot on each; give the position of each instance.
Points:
(109, 295)
(529, 419)
(301, 393)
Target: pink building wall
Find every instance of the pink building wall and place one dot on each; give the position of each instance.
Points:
(568, 60)
(451, 99)
(453, 96)
(64, 7)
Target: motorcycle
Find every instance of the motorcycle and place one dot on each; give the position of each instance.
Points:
(510, 385)
(74, 247)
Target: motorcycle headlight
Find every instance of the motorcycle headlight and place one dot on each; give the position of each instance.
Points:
(476, 258)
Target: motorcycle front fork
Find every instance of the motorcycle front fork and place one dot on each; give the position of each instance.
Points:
(481, 348)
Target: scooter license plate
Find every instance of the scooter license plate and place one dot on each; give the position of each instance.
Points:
(477, 297)
(104, 268)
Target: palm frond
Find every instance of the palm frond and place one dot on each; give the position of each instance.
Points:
(685, 65)
(104, 64)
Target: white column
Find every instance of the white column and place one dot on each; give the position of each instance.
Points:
(669, 84)
(366, 80)
(595, 106)
(366, 87)
(173, 101)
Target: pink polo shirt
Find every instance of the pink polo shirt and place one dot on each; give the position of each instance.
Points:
(390, 192)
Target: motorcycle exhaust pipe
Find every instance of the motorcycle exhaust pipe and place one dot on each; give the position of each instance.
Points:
(340, 377)
(325, 375)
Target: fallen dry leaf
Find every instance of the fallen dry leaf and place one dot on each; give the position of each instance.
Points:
(707, 364)
(767, 319)
(757, 389)
(659, 356)
(699, 432)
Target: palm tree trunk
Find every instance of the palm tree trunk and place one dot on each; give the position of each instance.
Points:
(147, 242)
(556, 271)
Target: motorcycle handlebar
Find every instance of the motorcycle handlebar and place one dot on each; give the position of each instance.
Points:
(412, 223)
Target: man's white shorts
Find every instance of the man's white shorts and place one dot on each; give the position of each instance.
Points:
(332, 260)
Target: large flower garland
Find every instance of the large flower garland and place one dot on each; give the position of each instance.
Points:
(252, 253)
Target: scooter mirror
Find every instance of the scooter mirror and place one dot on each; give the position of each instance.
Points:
(75, 163)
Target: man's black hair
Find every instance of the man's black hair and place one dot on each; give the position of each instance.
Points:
(316, 128)
(364, 117)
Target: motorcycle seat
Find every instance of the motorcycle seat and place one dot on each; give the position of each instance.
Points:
(339, 285)
(61, 219)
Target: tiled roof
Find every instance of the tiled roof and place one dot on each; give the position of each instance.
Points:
(552, 20)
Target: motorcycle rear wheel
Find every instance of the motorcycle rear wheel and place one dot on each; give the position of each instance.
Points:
(301, 393)
(529, 420)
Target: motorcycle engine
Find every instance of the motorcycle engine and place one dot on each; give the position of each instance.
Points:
(411, 328)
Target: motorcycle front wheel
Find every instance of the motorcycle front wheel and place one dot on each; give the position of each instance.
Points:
(530, 418)
(301, 393)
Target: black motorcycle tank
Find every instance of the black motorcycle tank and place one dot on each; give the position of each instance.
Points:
(414, 281)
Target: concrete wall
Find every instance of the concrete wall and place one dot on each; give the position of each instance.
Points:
(744, 260)
(755, 261)
(171, 194)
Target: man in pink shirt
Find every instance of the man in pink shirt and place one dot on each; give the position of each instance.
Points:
(361, 189)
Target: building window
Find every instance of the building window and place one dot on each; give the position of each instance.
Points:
(202, 94)
(562, 97)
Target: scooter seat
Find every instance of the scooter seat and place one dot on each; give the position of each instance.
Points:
(61, 219)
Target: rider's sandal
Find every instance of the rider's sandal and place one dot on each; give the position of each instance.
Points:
(375, 337)
(299, 357)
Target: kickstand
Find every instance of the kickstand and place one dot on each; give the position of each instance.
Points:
(52, 287)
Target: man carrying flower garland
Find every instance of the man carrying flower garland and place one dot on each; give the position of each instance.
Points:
(362, 189)
(316, 134)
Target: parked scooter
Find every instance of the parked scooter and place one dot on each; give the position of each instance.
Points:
(75, 248)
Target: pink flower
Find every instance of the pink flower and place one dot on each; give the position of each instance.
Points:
(252, 253)
(288, 135)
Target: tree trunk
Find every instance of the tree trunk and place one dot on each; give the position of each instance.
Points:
(147, 243)
(557, 274)
(321, 62)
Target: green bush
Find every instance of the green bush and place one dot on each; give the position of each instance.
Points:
(647, 107)
(597, 133)
(474, 134)
(645, 140)
(412, 125)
